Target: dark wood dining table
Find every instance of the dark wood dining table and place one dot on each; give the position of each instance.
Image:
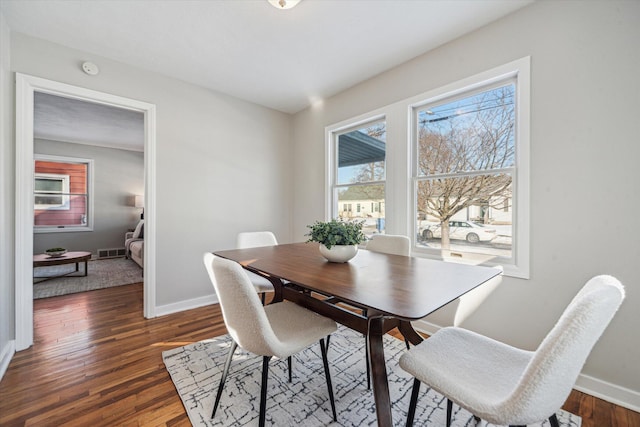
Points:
(372, 293)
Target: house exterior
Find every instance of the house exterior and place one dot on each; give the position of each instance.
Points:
(584, 108)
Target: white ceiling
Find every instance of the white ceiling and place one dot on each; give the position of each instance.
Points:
(282, 59)
(70, 120)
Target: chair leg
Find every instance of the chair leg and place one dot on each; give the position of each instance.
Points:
(227, 364)
(449, 410)
(289, 363)
(327, 374)
(263, 390)
(366, 358)
(413, 402)
(366, 353)
(263, 296)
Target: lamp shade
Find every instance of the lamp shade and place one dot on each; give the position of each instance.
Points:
(139, 202)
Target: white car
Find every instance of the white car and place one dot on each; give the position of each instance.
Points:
(470, 231)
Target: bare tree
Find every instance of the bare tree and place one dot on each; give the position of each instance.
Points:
(373, 171)
(474, 143)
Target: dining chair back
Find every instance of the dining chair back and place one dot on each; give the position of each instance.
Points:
(278, 330)
(550, 375)
(253, 239)
(242, 312)
(505, 385)
(471, 301)
(390, 244)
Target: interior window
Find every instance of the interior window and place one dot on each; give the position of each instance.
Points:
(61, 194)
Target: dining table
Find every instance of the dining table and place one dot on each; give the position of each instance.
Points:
(372, 293)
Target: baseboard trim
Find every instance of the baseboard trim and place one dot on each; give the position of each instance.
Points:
(604, 390)
(5, 357)
(426, 327)
(613, 393)
(163, 310)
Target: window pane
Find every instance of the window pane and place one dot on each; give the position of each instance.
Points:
(60, 194)
(470, 134)
(467, 214)
(75, 215)
(49, 201)
(49, 185)
(361, 155)
(363, 202)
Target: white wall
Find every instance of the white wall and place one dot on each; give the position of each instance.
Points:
(219, 161)
(7, 172)
(225, 165)
(118, 175)
(584, 158)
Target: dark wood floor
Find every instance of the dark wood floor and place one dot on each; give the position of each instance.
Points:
(97, 362)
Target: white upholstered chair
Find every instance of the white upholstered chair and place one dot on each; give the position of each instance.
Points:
(390, 244)
(276, 330)
(505, 385)
(469, 302)
(255, 239)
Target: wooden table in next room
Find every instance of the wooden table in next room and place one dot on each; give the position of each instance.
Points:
(76, 258)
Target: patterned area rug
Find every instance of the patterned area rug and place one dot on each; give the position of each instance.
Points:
(103, 273)
(196, 368)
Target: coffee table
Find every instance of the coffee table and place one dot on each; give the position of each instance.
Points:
(42, 260)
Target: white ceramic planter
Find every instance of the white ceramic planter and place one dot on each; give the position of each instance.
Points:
(339, 253)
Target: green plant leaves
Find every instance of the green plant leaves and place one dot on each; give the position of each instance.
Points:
(336, 232)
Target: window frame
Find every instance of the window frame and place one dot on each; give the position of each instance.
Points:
(519, 73)
(64, 194)
(332, 134)
(88, 226)
(401, 154)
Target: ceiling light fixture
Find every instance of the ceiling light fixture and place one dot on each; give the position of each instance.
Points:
(283, 4)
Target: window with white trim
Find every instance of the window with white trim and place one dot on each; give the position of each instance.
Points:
(460, 181)
(469, 157)
(61, 194)
(51, 191)
(359, 173)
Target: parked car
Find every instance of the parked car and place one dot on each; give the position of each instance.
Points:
(470, 231)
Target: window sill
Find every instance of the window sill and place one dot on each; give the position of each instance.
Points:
(62, 229)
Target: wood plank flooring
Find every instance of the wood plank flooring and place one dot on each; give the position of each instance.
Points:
(97, 362)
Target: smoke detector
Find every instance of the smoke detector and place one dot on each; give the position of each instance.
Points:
(90, 68)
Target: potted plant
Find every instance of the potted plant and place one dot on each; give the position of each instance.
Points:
(338, 239)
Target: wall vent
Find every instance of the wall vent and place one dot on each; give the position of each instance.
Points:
(111, 253)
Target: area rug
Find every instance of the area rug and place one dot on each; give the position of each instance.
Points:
(196, 368)
(103, 273)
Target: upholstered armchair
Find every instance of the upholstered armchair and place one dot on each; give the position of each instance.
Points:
(134, 244)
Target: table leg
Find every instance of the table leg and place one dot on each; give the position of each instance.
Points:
(86, 270)
(407, 331)
(277, 288)
(379, 372)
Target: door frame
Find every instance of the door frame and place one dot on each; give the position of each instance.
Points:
(26, 86)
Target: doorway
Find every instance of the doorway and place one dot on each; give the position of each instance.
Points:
(26, 88)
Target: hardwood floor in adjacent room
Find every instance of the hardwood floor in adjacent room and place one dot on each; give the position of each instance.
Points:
(97, 362)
